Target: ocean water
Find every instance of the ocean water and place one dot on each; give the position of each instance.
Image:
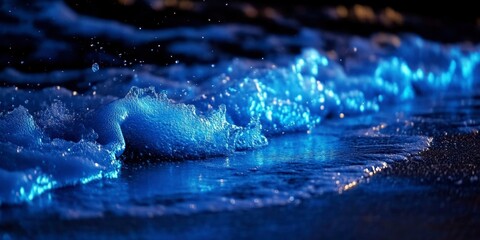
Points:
(139, 139)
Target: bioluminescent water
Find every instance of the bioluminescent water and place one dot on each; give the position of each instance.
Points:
(227, 133)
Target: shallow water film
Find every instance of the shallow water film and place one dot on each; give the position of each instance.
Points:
(188, 119)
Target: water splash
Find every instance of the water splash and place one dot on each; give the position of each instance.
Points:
(95, 67)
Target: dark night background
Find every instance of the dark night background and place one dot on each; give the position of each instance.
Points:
(440, 21)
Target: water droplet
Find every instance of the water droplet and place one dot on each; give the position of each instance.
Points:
(95, 67)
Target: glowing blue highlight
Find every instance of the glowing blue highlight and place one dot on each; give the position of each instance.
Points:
(95, 67)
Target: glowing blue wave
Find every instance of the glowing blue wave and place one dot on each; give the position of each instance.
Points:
(56, 137)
